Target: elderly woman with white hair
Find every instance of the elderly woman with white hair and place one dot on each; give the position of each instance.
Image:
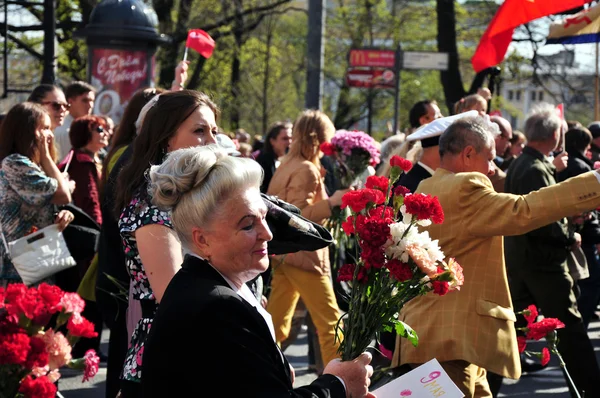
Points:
(207, 312)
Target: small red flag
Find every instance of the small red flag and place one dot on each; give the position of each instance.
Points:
(200, 41)
(512, 13)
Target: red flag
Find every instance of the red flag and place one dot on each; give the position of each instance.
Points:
(560, 109)
(200, 41)
(512, 13)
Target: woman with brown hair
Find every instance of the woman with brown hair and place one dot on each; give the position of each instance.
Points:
(299, 181)
(153, 255)
(52, 98)
(30, 182)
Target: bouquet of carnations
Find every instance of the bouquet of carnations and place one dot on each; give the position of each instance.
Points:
(396, 262)
(353, 152)
(31, 353)
(546, 328)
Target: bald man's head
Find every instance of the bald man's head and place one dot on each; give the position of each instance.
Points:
(502, 140)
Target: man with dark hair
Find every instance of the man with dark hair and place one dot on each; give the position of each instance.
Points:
(473, 331)
(80, 96)
(502, 144)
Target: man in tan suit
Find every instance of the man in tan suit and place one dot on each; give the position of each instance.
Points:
(472, 330)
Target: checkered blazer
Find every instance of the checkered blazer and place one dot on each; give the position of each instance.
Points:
(476, 324)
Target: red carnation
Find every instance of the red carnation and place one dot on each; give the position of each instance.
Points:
(91, 361)
(372, 256)
(348, 225)
(40, 387)
(399, 270)
(545, 356)
(424, 207)
(378, 182)
(358, 200)
(81, 327)
(346, 273)
(38, 356)
(384, 213)
(404, 164)
(374, 232)
(530, 314)
(542, 328)
(522, 343)
(327, 148)
(14, 348)
(440, 287)
(401, 190)
(51, 296)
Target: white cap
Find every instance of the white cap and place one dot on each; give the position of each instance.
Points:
(227, 144)
(438, 126)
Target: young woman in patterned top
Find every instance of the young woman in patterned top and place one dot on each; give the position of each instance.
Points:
(30, 182)
(153, 252)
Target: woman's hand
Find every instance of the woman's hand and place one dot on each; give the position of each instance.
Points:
(181, 76)
(63, 219)
(47, 140)
(336, 198)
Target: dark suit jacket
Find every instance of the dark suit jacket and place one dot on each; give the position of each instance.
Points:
(207, 341)
(412, 179)
(546, 247)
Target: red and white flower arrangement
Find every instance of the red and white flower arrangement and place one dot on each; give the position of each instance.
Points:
(397, 262)
(31, 353)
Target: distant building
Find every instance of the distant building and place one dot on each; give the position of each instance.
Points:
(558, 81)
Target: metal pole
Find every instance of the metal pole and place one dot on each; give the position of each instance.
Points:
(315, 54)
(49, 24)
(5, 52)
(397, 69)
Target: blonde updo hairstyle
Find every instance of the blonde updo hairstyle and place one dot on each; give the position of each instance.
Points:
(311, 129)
(193, 183)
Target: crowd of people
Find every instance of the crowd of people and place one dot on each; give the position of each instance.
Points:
(182, 267)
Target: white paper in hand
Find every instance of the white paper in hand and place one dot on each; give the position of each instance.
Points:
(428, 380)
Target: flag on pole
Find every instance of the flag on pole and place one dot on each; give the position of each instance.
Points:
(200, 41)
(512, 13)
(583, 27)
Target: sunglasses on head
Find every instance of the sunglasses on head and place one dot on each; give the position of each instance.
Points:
(100, 129)
(57, 105)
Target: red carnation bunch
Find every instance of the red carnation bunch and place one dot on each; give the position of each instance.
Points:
(30, 352)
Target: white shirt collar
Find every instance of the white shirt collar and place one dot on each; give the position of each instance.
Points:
(429, 169)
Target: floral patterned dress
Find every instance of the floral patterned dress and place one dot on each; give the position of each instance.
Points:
(25, 193)
(140, 212)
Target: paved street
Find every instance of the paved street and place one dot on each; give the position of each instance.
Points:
(546, 383)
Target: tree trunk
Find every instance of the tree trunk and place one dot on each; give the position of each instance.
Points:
(238, 29)
(446, 38)
(265, 93)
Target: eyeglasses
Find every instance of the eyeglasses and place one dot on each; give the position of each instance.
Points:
(57, 105)
(100, 129)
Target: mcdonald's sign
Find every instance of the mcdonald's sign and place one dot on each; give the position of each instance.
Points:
(364, 57)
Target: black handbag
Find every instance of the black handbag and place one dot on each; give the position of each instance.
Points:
(292, 232)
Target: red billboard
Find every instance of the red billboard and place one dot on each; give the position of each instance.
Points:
(371, 78)
(118, 74)
(372, 58)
